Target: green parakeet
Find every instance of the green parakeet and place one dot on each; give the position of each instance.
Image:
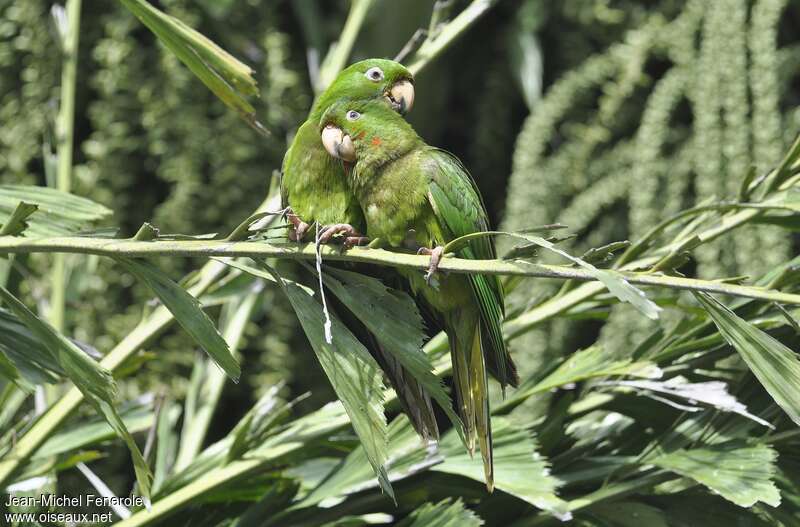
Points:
(313, 186)
(312, 183)
(415, 196)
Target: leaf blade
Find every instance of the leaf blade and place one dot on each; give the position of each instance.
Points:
(188, 312)
(775, 366)
(96, 383)
(392, 317)
(355, 376)
(739, 473)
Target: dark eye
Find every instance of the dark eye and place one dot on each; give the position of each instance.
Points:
(352, 115)
(374, 74)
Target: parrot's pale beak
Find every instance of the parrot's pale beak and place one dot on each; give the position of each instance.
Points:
(401, 96)
(338, 144)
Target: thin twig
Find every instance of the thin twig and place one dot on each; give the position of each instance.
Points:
(433, 47)
(412, 44)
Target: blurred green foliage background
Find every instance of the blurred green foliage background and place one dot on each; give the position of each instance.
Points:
(604, 115)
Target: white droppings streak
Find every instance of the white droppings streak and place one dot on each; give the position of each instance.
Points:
(328, 324)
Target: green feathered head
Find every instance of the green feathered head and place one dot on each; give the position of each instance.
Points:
(370, 79)
(352, 129)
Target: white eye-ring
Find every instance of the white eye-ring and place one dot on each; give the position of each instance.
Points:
(374, 74)
(353, 115)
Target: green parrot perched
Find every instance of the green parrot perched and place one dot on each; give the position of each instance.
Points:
(313, 184)
(313, 189)
(418, 197)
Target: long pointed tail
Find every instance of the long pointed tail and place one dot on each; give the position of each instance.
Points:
(472, 391)
(480, 397)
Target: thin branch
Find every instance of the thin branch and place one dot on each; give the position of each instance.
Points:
(65, 130)
(340, 50)
(433, 47)
(259, 249)
(752, 210)
(555, 306)
(413, 43)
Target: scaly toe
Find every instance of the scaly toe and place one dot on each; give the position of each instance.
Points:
(344, 229)
(353, 241)
(433, 266)
(300, 227)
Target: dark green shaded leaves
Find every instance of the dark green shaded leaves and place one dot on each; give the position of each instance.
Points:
(85, 372)
(9, 371)
(26, 352)
(446, 513)
(94, 381)
(405, 457)
(137, 418)
(228, 78)
(258, 423)
(355, 376)
(628, 514)
(738, 472)
(518, 468)
(56, 213)
(773, 364)
(188, 312)
(392, 317)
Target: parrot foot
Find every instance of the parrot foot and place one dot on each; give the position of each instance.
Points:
(436, 257)
(351, 236)
(355, 241)
(300, 228)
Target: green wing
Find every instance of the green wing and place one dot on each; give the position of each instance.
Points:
(459, 207)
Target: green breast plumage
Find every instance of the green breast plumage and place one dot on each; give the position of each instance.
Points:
(313, 183)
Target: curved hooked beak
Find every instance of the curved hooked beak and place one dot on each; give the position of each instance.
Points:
(338, 144)
(401, 96)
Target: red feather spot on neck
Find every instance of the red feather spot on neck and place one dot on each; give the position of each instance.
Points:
(361, 135)
(376, 141)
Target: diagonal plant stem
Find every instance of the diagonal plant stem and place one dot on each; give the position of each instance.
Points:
(196, 425)
(65, 128)
(433, 47)
(264, 457)
(557, 305)
(340, 51)
(144, 333)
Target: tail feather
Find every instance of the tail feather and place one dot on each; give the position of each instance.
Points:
(488, 294)
(472, 390)
(500, 365)
(414, 399)
(480, 397)
(462, 382)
